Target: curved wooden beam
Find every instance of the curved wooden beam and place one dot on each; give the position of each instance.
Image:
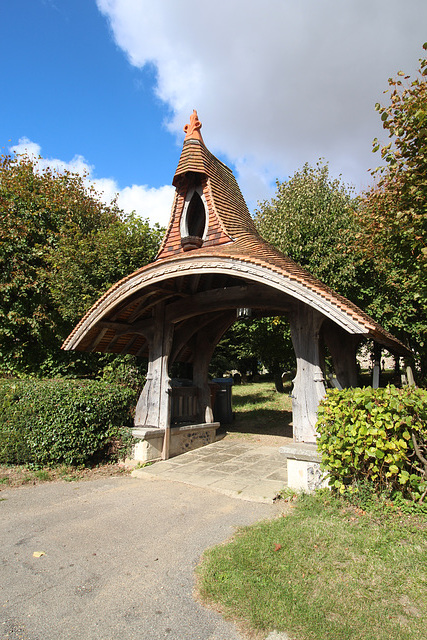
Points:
(227, 298)
(274, 283)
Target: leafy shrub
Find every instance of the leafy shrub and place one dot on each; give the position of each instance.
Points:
(377, 436)
(125, 370)
(47, 422)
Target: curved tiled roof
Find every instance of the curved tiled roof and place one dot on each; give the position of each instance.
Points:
(230, 246)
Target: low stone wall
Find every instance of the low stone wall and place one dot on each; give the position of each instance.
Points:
(149, 440)
(303, 461)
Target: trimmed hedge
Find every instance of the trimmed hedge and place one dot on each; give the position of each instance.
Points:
(48, 422)
(368, 435)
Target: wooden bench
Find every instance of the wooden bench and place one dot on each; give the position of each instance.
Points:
(184, 405)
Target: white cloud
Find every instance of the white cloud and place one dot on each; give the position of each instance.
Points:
(277, 83)
(148, 203)
(27, 147)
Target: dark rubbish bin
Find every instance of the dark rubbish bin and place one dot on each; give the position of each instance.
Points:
(222, 410)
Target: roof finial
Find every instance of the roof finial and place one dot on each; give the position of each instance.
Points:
(192, 130)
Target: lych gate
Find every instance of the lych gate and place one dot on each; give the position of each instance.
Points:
(212, 261)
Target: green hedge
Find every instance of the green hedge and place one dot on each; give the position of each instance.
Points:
(367, 435)
(48, 422)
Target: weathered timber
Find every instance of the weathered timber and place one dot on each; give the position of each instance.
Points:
(184, 404)
(376, 371)
(185, 332)
(194, 284)
(129, 345)
(342, 347)
(309, 385)
(141, 307)
(205, 345)
(410, 375)
(142, 327)
(227, 298)
(95, 342)
(153, 405)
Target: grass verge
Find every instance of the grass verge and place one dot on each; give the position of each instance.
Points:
(324, 571)
(19, 475)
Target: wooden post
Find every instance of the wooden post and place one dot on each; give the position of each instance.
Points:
(342, 347)
(205, 343)
(410, 380)
(200, 376)
(153, 408)
(309, 387)
(377, 366)
(141, 411)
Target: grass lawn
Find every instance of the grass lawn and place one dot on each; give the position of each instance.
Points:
(259, 409)
(324, 571)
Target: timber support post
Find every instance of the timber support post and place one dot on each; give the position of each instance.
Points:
(205, 343)
(376, 371)
(153, 407)
(309, 384)
(342, 347)
(200, 377)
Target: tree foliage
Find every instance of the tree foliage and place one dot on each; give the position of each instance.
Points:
(255, 343)
(312, 220)
(393, 216)
(60, 249)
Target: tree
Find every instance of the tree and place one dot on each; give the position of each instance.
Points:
(393, 215)
(312, 219)
(83, 266)
(254, 343)
(60, 248)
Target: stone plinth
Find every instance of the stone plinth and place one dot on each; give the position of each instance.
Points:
(303, 461)
(149, 440)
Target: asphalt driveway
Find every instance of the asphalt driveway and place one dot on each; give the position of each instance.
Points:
(119, 556)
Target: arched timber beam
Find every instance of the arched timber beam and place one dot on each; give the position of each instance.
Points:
(186, 331)
(227, 298)
(260, 274)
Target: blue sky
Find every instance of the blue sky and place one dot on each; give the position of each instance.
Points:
(70, 88)
(109, 84)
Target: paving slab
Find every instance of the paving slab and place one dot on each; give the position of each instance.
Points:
(261, 491)
(241, 470)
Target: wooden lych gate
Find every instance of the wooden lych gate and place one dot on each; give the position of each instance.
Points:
(212, 261)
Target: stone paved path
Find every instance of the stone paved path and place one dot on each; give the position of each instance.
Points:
(237, 469)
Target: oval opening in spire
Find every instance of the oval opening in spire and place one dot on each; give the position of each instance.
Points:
(194, 223)
(196, 216)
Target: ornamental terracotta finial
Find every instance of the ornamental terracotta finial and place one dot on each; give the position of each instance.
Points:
(192, 130)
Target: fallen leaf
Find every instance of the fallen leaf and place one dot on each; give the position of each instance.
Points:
(277, 547)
